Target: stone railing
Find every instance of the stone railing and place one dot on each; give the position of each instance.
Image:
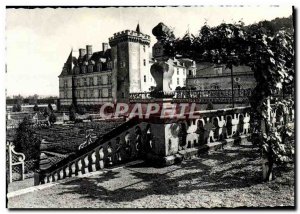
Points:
(159, 140)
(184, 138)
(197, 96)
(248, 73)
(118, 146)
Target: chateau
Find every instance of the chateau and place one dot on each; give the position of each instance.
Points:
(110, 75)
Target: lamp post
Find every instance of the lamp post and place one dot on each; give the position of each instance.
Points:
(231, 60)
(232, 91)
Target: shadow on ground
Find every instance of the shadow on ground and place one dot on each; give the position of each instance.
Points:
(232, 168)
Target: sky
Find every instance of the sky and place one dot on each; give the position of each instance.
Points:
(38, 41)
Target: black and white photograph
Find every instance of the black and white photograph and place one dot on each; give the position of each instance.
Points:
(150, 107)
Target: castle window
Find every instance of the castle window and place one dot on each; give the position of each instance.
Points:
(99, 80)
(109, 65)
(84, 94)
(77, 93)
(84, 82)
(95, 93)
(190, 72)
(177, 81)
(105, 92)
(144, 48)
(77, 70)
(83, 69)
(144, 62)
(90, 68)
(145, 79)
(177, 71)
(104, 80)
(65, 84)
(91, 81)
(65, 94)
(100, 93)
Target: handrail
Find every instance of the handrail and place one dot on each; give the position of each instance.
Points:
(106, 137)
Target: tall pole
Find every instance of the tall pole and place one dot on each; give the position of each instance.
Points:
(232, 91)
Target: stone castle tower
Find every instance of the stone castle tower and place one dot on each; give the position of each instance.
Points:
(130, 58)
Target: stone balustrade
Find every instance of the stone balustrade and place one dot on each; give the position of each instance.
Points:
(161, 141)
(118, 146)
(197, 96)
(183, 138)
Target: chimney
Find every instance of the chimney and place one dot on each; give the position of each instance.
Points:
(81, 52)
(89, 52)
(104, 46)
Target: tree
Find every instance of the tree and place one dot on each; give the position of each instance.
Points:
(210, 106)
(270, 54)
(50, 107)
(36, 107)
(81, 110)
(72, 113)
(26, 141)
(17, 108)
(52, 118)
(19, 99)
(46, 112)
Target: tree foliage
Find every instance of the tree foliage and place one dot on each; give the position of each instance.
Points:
(26, 141)
(269, 51)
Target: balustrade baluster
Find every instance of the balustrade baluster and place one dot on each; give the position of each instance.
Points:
(85, 167)
(101, 158)
(74, 168)
(79, 166)
(92, 162)
(61, 174)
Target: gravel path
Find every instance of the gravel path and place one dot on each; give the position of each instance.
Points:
(228, 178)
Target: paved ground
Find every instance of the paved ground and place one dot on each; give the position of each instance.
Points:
(229, 178)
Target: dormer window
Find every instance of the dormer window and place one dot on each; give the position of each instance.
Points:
(99, 67)
(77, 70)
(109, 65)
(90, 68)
(83, 69)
